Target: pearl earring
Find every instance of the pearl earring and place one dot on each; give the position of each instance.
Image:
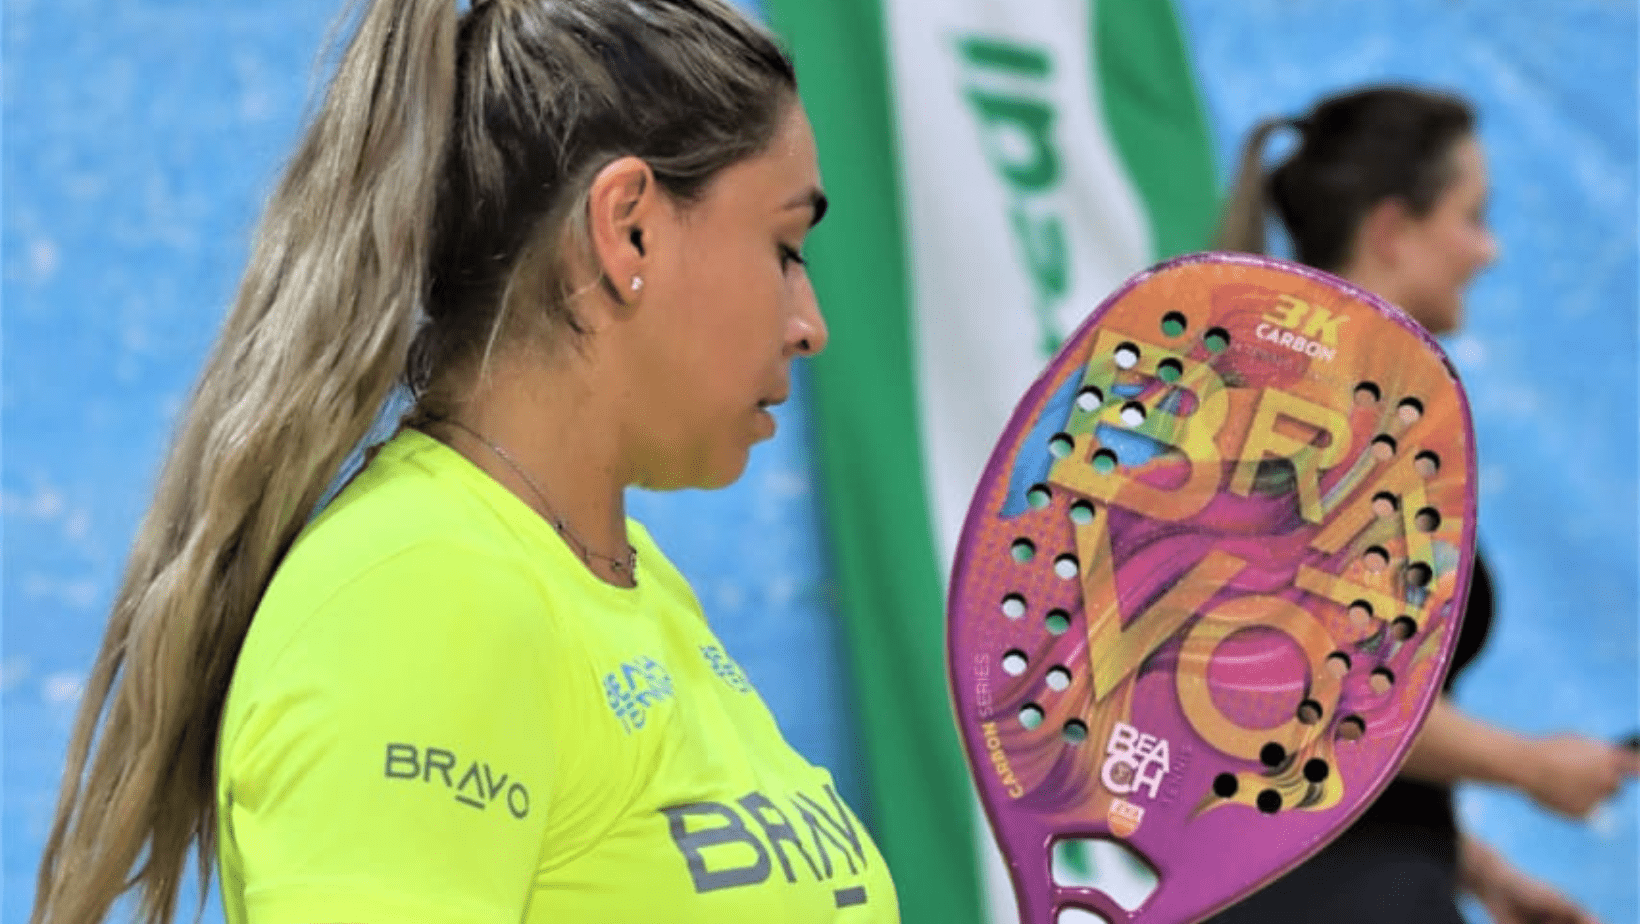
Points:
(637, 283)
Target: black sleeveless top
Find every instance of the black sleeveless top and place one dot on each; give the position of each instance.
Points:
(1408, 803)
(1398, 863)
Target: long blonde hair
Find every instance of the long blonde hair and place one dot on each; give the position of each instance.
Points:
(448, 147)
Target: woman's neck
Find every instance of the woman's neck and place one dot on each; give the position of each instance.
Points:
(1374, 278)
(543, 432)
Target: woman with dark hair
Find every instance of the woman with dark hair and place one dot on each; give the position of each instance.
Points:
(471, 689)
(1387, 188)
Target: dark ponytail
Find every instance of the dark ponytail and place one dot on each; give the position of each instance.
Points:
(1356, 150)
(1242, 229)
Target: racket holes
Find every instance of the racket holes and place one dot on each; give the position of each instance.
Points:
(1060, 445)
(1075, 731)
(1269, 802)
(1360, 613)
(1309, 712)
(1385, 504)
(1381, 680)
(1170, 370)
(1272, 755)
(1104, 461)
(1419, 574)
(1133, 413)
(1081, 513)
(1030, 716)
(1375, 558)
(1427, 520)
(1013, 606)
(1038, 496)
(1015, 662)
(1090, 398)
(1023, 550)
(1316, 770)
(1383, 446)
(1403, 628)
(1367, 394)
(1057, 622)
(1216, 340)
(1409, 410)
(1059, 678)
(1079, 916)
(1066, 566)
(1338, 664)
(1225, 785)
(1427, 463)
(1127, 356)
(1352, 727)
(1175, 324)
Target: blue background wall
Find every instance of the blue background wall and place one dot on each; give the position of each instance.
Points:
(139, 138)
(1551, 327)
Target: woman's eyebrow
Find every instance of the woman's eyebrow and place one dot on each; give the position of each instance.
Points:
(814, 199)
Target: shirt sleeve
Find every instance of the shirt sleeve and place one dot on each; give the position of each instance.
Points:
(392, 761)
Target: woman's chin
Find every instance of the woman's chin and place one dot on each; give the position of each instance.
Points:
(723, 471)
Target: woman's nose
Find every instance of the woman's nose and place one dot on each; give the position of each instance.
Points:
(1491, 249)
(809, 327)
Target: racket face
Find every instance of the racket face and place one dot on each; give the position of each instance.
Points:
(1210, 581)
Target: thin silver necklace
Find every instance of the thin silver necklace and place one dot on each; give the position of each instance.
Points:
(626, 564)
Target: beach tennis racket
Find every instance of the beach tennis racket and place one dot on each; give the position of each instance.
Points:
(1209, 583)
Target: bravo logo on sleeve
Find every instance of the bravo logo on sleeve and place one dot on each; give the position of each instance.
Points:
(474, 783)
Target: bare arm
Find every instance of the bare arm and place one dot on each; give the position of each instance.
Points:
(1511, 896)
(1568, 774)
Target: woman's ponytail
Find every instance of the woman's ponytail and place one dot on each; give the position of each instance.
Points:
(317, 336)
(1243, 226)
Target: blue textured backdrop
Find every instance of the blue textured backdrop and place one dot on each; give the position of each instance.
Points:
(1548, 354)
(141, 136)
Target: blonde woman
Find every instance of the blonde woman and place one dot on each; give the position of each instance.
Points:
(1387, 187)
(472, 689)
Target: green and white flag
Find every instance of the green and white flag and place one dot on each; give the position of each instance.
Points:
(997, 168)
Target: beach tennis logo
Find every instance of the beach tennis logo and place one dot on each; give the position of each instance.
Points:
(1134, 761)
(726, 668)
(634, 688)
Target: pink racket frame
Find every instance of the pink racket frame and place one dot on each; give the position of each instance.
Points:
(1133, 674)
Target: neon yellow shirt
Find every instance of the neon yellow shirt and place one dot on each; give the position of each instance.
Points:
(440, 716)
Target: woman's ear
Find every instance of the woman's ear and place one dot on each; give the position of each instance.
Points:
(623, 200)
